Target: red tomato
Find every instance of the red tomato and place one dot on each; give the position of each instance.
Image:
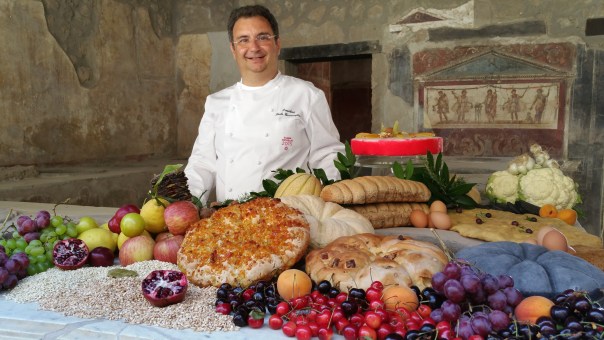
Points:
(275, 322)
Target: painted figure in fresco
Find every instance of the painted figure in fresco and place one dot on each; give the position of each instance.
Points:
(513, 104)
(539, 104)
(490, 105)
(462, 105)
(477, 111)
(442, 106)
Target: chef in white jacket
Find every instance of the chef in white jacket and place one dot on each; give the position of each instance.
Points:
(264, 122)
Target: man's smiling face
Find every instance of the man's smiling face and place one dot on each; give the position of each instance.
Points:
(257, 60)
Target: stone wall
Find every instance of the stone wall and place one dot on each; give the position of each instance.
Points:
(109, 80)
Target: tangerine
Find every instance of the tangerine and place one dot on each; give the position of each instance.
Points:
(293, 283)
(533, 307)
(568, 215)
(548, 210)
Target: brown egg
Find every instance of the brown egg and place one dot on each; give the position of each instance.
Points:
(418, 219)
(555, 240)
(438, 206)
(440, 220)
(544, 230)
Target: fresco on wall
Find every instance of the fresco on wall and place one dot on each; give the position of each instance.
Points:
(506, 106)
(496, 100)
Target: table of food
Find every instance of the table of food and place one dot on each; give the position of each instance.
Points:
(416, 253)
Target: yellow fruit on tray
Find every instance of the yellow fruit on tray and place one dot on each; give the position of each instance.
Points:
(98, 237)
(293, 283)
(153, 214)
(299, 184)
(400, 296)
(568, 215)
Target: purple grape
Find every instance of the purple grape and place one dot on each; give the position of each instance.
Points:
(2, 250)
(21, 274)
(12, 266)
(464, 328)
(31, 236)
(43, 213)
(471, 283)
(3, 275)
(490, 284)
(438, 281)
(452, 270)
(22, 259)
(497, 300)
(42, 221)
(454, 291)
(513, 296)
(451, 311)
(437, 315)
(499, 320)
(22, 219)
(467, 270)
(481, 325)
(3, 258)
(505, 281)
(27, 226)
(10, 282)
(478, 298)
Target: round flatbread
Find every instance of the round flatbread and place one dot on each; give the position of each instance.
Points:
(244, 243)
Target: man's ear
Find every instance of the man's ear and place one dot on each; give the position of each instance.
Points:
(231, 45)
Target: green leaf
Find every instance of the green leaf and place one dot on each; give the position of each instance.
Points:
(409, 170)
(461, 189)
(430, 160)
(397, 169)
(270, 187)
(465, 201)
(437, 166)
(351, 157)
(444, 174)
(342, 159)
(322, 176)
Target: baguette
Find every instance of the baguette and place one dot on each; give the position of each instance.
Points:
(375, 189)
(389, 215)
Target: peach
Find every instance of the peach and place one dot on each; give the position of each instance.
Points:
(400, 296)
(533, 307)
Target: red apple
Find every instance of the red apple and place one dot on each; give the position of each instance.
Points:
(114, 225)
(136, 249)
(101, 257)
(180, 215)
(163, 235)
(114, 222)
(167, 249)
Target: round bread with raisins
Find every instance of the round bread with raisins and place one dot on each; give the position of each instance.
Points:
(356, 261)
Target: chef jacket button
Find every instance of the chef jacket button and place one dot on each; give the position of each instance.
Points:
(259, 162)
(266, 135)
(231, 134)
(230, 189)
(231, 160)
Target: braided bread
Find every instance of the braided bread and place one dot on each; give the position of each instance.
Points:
(389, 215)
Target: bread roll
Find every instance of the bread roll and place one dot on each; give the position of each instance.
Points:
(375, 189)
(389, 215)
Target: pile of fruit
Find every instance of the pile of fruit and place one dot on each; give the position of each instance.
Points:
(463, 303)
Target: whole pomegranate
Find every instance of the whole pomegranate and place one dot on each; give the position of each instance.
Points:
(165, 287)
(71, 253)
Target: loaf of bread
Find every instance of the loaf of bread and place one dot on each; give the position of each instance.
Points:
(375, 189)
(389, 215)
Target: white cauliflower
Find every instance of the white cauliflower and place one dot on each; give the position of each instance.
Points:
(548, 186)
(502, 187)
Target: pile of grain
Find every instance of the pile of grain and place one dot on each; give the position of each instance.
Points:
(89, 293)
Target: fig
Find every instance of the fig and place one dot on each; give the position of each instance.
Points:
(101, 257)
(71, 253)
(165, 287)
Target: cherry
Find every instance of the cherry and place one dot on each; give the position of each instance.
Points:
(373, 320)
(357, 293)
(384, 330)
(377, 285)
(282, 308)
(341, 323)
(303, 332)
(275, 322)
(325, 333)
(424, 311)
(289, 329)
(366, 332)
(324, 287)
(223, 308)
(357, 319)
(349, 307)
(373, 294)
(350, 332)
(324, 318)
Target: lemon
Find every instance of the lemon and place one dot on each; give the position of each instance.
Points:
(98, 237)
(105, 226)
(153, 214)
(86, 223)
(121, 238)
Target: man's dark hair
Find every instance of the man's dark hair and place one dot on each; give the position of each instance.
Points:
(252, 11)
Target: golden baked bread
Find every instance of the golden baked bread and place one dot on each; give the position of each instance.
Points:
(499, 227)
(356, 261)
(328, 220)
(389, 215)
(244, 243)
(375, 189)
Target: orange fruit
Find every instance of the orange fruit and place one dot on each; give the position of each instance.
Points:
(533, 307)
(548, 210)
(400, 296)
(293, 283)
(568, 215)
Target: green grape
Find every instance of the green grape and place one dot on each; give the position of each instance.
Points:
(44, 237)
(60, 230)
(54, 243)
(64, 237)
(28, 249)
(36, 243)
(56, 220)
(21, 243)
(37, 251)
(71, 224)
(49, 256)
(3, 242)
(41, 267)
(31, 270)
(17, 250)
(32, 260)
(51, 234)
(41, 258)
(16, 234)
(72, 231)
(11, 244)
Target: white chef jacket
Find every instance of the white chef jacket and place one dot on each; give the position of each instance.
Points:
(248, 132)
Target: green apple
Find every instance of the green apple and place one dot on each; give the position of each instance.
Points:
(132, 224)
(86, 223)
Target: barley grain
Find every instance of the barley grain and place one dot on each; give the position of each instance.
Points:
(89, 293)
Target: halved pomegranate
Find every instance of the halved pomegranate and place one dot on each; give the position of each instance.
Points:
(165, 287)
(71, 253)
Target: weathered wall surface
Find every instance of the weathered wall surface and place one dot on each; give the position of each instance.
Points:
(83, 81)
